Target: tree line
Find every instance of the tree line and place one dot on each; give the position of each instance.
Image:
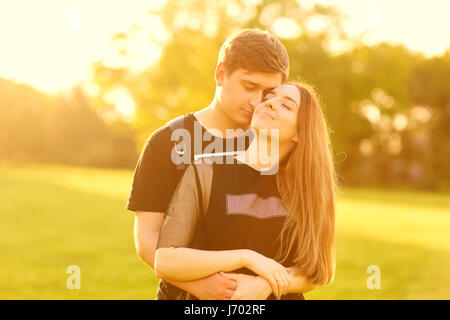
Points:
(387, 107)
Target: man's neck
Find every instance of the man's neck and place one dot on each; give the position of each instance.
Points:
(213, 117)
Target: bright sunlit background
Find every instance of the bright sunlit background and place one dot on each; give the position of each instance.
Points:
(51, 43)
(84, 83)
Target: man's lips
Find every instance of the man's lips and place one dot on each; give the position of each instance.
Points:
(248, 112)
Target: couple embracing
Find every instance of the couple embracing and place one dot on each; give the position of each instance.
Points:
(233, 225)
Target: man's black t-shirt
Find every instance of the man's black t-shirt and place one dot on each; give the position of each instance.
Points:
(156, 175)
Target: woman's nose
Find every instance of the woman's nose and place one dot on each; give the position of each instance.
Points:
(269, 105)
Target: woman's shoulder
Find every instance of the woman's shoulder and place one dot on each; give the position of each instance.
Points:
(204, 170)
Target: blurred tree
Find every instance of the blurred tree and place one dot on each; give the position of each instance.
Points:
(39, 127)
(366, 91)
(430, 88)
(76, 134)
(183, 79)
(22, 109)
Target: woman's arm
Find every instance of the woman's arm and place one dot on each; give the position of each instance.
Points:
(300, 283)
(185, 264)
(258, 288)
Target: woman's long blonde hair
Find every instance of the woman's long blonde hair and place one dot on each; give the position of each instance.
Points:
(307, 185)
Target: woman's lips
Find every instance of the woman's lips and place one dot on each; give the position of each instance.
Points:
(267, 114)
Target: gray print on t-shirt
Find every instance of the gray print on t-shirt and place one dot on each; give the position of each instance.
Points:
(253, 205)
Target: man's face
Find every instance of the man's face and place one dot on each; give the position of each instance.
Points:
(242, 90)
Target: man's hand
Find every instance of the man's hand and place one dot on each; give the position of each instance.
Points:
(249, 287)
(214, 287)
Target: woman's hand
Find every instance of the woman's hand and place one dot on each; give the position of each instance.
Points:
(275, 273)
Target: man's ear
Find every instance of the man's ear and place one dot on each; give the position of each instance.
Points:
(220, 74)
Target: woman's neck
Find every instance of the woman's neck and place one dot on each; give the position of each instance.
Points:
(265, 152)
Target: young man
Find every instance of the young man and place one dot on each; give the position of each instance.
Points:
(250, 62)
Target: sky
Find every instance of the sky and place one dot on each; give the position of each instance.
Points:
(50, 44)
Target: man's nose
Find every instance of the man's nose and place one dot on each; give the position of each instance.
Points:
(256, 99)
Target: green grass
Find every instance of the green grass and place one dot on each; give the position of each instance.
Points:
(54, 216)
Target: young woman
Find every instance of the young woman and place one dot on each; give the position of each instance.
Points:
(237, 217)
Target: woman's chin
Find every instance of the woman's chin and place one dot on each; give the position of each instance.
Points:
(258, 123)
(262, 131)
(263, 127)
(258, 127)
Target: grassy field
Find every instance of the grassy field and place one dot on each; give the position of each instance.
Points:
(52, 217)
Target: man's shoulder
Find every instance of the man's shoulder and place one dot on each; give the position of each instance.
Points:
(162, 136)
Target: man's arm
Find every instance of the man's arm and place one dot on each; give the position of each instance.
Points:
(146, 232)
(155, 179)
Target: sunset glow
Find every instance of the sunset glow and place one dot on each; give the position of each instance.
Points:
(51, 44)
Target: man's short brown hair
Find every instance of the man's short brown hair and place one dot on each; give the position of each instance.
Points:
(256, 51)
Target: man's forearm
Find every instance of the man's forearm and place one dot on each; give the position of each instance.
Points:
(188, 286)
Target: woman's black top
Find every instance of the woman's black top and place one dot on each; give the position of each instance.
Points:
(245, 211)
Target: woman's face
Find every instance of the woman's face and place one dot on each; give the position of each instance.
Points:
(278, 110)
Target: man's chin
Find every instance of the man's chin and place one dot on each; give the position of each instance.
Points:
(243, 122)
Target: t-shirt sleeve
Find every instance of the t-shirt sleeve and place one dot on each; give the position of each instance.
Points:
(155, 176)
(182, 215)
